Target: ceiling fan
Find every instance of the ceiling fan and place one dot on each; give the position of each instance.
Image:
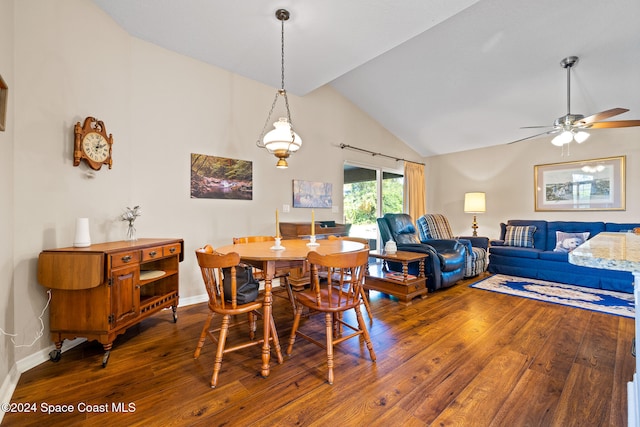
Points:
(571, 127)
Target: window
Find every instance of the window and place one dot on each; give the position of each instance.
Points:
(369, 193)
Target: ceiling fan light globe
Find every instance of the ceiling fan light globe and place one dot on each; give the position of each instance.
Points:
(564, 138)
(581, 137)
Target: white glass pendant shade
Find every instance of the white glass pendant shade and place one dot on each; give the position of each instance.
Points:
(580, 137)
(564, 138)
(279, 139)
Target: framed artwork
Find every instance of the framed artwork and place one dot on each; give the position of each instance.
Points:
(221, 178)
(597, 184)
(310, 194)
(4, 94)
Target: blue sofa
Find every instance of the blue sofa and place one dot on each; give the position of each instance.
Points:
(543, 262)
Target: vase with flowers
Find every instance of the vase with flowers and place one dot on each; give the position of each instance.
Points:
(130, 216)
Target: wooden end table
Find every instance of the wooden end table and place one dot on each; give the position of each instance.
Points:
(403, 286)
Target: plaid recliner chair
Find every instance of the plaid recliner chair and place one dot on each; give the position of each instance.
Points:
(436, 226)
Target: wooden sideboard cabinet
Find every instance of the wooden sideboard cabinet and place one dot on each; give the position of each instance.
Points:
(99, 291)
(297, 230)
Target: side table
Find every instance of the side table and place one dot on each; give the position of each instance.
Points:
(403, 286)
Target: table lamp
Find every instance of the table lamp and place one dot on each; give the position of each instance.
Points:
(474, 203)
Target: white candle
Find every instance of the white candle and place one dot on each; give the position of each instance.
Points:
(313, 223)
(277, 225)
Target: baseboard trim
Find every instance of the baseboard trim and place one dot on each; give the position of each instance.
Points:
(35, 359)
(11, 381)
(197, 299)
(8, 386)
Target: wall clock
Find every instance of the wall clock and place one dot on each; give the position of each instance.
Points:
(92, 144)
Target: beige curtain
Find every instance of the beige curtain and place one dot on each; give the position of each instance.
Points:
(415, 198)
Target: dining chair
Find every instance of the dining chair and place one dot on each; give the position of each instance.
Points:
(337, 294)
(363, 291)
(282, 275)
(225, 304)
(257, 273)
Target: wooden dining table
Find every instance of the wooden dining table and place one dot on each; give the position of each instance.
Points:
(262, 256)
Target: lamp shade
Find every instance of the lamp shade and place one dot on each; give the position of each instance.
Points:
(564, 138)
(580, 137)
(474, 202)
(279, 139)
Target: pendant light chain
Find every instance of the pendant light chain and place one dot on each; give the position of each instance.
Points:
(282, 91)
(259, 142)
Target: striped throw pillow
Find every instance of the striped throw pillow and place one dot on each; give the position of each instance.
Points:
(519, 235)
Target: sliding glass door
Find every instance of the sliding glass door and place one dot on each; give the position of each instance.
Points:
(369, 193)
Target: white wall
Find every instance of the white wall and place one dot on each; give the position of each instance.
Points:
(7, 357)
(160, 108)
(505, 173)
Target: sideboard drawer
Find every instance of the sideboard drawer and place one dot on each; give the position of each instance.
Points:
(125, 258)
(172, 249)
(152, 253)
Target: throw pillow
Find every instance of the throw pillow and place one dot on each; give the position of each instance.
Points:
(566, 242)
(407, 229)
(519, 235)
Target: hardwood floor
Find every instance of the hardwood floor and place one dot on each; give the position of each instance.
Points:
(462, 356)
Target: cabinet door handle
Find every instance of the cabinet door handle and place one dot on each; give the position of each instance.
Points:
(126, 258)
(153, 253)
(172, 250)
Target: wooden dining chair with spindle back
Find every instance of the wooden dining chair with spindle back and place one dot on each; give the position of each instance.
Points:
(338, 293)
(225, 302)
(258, 274)
(363, 291)
(282, 275)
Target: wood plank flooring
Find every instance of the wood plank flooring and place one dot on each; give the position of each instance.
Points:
(462, 356)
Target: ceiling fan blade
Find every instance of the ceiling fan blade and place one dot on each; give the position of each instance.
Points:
(533, 136)
(535, 127)
(615, 124)
(601, 116)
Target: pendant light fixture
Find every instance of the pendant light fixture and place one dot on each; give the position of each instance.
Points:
(282, 140)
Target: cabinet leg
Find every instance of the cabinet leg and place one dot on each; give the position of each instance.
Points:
(107, 353)
(55, 355)
(105, 358)
(175, 313)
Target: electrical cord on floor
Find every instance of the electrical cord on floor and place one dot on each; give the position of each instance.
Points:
(39, 334)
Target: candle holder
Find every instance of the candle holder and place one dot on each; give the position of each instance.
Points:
(278, 246)
(312, 242)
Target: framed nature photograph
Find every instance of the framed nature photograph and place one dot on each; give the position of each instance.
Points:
(221, 178)
(597, 184)
(310, 194)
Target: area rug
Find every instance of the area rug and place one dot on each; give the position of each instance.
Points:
(617, 303)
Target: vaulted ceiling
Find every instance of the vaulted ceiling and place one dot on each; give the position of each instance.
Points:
(442, 75)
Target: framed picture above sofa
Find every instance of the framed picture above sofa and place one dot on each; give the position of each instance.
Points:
(597, 184)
